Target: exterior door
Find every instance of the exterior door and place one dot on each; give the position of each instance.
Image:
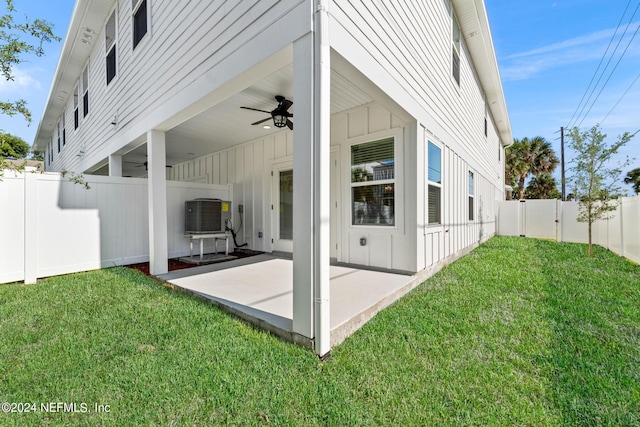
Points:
(282, 208)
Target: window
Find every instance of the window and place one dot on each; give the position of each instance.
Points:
(471, 196)
(110, 46)
(85, 89)
(139, 8)
(434, 184)
(373, 183)
(76, 117)
(486, 127)
(456, 49)
(64, 129)
(59, 134)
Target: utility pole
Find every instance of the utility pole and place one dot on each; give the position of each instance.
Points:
(564, 194)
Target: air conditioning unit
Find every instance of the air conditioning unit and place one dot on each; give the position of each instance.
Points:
(205, 216)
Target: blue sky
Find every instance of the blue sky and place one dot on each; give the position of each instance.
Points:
(548, 52)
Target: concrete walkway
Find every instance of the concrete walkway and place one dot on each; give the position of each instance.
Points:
(260, 289)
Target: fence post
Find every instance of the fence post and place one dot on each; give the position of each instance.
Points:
(559, 220)
(621, 208)
(30, 228)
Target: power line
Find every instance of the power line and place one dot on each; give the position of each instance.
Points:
(623, 95)
(601, 60)
(611, 74)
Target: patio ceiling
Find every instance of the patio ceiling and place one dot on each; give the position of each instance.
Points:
(226, 124)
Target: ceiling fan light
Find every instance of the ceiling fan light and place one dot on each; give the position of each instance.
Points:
(279, 120)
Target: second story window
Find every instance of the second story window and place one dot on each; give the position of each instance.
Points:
(110, 46)
(76, 116)
(455, 36)
(85, 89)
(64, 128)
(139, 9)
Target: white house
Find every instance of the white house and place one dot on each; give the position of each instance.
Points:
(395, 159)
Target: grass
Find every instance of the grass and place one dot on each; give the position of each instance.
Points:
(519, 332)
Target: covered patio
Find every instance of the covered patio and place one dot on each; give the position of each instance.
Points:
(259, 289)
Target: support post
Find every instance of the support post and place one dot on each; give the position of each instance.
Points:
(115, 165)
(322, 177)
(157, 188)
(303, 247)
(311, 178)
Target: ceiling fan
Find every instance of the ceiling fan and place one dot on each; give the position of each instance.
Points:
(145, 164)
(280, 114)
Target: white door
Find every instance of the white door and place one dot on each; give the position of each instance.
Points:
(282, 208)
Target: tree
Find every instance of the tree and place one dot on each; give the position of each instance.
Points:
(633, 178)
(528, 156)
(13, 146)
(595, 174)
(543, 186)
(17, 40)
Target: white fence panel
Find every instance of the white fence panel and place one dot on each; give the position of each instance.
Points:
(12, 219)
(570, 229)
(54, 226)
(631, 228)
(540, 219)
(620, 233)
(509, 219)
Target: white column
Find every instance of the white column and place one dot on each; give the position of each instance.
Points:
(322, 178)
(303, 317)
(115, 165)
(311, 183)
(157, 183)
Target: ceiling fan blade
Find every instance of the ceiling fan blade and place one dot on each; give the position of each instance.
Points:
(255, 109)
(289, 124)
(261, 121)
(285, 105)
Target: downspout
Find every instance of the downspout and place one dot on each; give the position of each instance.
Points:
(322, 122)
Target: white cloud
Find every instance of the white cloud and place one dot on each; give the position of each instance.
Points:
(590, 47)
(23, 81)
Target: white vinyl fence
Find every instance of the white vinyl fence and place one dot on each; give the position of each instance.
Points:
(52, 226)
(553, 219)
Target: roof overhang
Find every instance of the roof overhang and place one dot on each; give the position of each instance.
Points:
(474, 24)
(87, 20)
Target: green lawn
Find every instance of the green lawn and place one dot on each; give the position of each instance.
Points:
(519, 332)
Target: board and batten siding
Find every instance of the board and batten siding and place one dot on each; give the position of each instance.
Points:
(248, 167)
(183, 44)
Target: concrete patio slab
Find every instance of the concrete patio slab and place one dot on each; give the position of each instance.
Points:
(260, 289)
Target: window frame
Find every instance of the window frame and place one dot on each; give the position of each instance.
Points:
(471, 187)
(85, 91)
(372, 138)
(76, 106)
(435, 184)
(456, 46)
(136, 7)
(111, 50)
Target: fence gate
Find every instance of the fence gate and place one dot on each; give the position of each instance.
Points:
(529, 218)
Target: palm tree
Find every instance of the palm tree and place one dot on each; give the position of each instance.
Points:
(529, 156)
(633, 178)
(543, 186)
